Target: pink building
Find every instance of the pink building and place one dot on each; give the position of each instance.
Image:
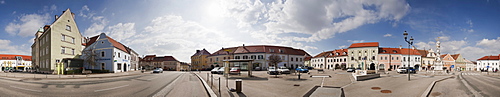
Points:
(390, 58)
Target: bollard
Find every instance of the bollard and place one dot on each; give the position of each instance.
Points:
(227, 84)
(219, 88)
(212, 82)
(238, 85)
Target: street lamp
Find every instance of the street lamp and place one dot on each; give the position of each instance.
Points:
(409, 43)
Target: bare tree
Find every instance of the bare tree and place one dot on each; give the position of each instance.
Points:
(90, 56)
(275, 59)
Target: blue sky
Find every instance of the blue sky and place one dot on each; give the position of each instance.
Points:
(179, 28)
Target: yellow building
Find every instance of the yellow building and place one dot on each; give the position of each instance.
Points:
(199, 60)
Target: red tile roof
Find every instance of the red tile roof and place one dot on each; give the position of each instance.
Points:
(323, 54)
(13, 57)
(115, 43)
(455, 56)
(339, 52)
(389, 51)
(308, 58)
(490, 57)
(261, 49)
(366, 44)
(406, 51)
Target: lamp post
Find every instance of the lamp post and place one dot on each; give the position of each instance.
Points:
(410, 42)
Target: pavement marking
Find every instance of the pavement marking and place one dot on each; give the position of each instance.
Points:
(111, 88)
(152, 78)
(25, 89)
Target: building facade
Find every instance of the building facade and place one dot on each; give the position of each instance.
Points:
(150, 62)
(199, 60)
(363, 55)
(104, 53)
(337, 59)
(389, 58)
(57, 41)
(488, 63)
(15, 62)
(320, 61)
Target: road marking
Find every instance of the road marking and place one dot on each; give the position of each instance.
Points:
(110, 88)
(152, 78)
(25, 89)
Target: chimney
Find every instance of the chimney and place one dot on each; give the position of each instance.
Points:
(413, 47)
(400, 47)
(197, 51)
(56, 17)
(73, 14)
(243, 45)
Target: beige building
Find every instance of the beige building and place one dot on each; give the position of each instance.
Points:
(165, 62)
(61, 39)
(199, 60)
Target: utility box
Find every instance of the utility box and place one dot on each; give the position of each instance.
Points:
(238, 85)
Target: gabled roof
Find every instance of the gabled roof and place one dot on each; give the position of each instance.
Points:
(338, 52)
(115, 43)
(389, 51)
(308, 58)
(158, 58)
(366, 44)
(423, 52)
(323, 54)
(261, 49)
(455, 56)
(406, 51)
(201, 52)
(442, 56)
(490, 57)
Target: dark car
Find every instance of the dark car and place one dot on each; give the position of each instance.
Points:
(302, 70)
(351, 69)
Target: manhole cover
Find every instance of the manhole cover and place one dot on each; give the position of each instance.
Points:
(375, 88)
(435, 93)
(386, 91)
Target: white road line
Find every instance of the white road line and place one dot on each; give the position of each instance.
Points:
(152, 78)
(110, 88)
(25, 89)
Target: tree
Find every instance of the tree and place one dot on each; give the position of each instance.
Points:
(275, 59)
(89, 56)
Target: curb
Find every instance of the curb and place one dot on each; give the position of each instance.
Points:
(65, 78)
(209, 90)
(431, 86)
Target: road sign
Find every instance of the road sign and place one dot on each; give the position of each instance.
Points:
(487, 66)
(452, 66)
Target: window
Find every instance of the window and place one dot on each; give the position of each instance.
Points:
(245, 57)
(63, 38)
(397, 58)
(236, 57)
(385, 58)
(72, 40)
(253, 57)
(68, 27)
(271, 50)
(381, 58)
(72, 51)
(260, 57)
(103, 66)
(119, 55)
(63, 50)
(291, 59)
(119, 66)
(296, 59)
(68, 20)
(217, 59)
(102, 53)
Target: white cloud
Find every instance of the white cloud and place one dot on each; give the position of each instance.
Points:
(468, 51)
(469, 22)
(26, 25)
(321, 20)
(356, 41)
(121, 32)
(2, 2)
(492, 44)
(171, 34)
(97, 27)
(387, 35)
(86, 12)
(7, 48)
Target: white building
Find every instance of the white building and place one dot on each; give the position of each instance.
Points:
(320, 61)
(108, 54)
(363, 55)
(291, 57)
(15, 62)
(489, 63)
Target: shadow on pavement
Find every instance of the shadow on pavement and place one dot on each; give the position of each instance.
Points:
(295, 79)
(248, 78)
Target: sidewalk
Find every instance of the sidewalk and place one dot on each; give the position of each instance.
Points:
(21, 76)
(264, 85)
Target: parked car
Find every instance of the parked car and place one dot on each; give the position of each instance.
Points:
(221, 70)
(302, 70)
(283, 70)
(214, 71)
(351, 69)
(272, 71)
(235, 70)
(403, 70)
(310, 68)
(257, 69)
(158, 70)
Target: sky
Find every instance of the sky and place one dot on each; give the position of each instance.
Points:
(180, 27)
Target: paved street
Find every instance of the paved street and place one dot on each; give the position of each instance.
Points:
(144, 85)
(486, 85)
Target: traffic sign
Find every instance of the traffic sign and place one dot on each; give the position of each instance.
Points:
(452, 66)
